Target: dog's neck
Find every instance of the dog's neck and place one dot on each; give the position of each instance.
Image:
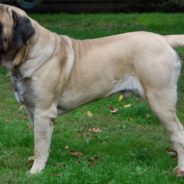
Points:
(28, 60)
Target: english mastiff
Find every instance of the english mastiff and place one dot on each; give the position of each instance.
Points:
(54, 73)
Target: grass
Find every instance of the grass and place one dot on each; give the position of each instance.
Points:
(131, 149)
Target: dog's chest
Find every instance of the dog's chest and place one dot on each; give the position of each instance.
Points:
(22, 89)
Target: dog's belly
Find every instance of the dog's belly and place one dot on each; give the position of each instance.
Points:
(73, 98)
(129, 82)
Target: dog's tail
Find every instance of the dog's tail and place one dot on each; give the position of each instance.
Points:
(175, 40)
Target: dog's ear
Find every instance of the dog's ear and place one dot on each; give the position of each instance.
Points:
(23, 30)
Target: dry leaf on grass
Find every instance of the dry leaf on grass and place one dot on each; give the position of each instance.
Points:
(76, 154)
(112, 109)
(120, 97)
(66, 147)
(127, 106)
(21, 108)
(89, 114)
(95, 130)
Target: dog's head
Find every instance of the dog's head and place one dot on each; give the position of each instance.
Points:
(15, 30)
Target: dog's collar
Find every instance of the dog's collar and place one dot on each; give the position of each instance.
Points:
(16, 74)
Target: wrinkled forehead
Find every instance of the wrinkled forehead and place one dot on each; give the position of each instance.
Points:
(7, 10)
(6, 15)
(6, 20)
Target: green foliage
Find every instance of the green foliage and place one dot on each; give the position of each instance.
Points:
(132, 145)
(172, 6)
(152, 5)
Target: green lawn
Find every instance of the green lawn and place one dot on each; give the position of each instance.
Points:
(131, 147)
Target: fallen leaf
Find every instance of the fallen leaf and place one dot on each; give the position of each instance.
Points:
(127, 106)
(112, 109)
(76, 154)
(120, 97)
(21, 108)
(95, 130)
(66, 147)
(89, 114)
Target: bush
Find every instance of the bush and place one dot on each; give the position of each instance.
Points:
(103, 5)
(172, 6)
(152, 5)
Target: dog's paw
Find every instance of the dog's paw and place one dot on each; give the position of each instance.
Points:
(28, 173)
(179, 172)
(37, 166)
(33, 172)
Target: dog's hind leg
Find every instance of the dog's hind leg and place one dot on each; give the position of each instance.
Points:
(163, 99)
(163, 103)
(159, 81)
(43, 128)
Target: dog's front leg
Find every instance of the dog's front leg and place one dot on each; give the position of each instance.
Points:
(43, 128)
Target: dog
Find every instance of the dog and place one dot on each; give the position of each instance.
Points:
(54, 74)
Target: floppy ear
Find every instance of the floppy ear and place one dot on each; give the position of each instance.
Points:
(23, 30)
